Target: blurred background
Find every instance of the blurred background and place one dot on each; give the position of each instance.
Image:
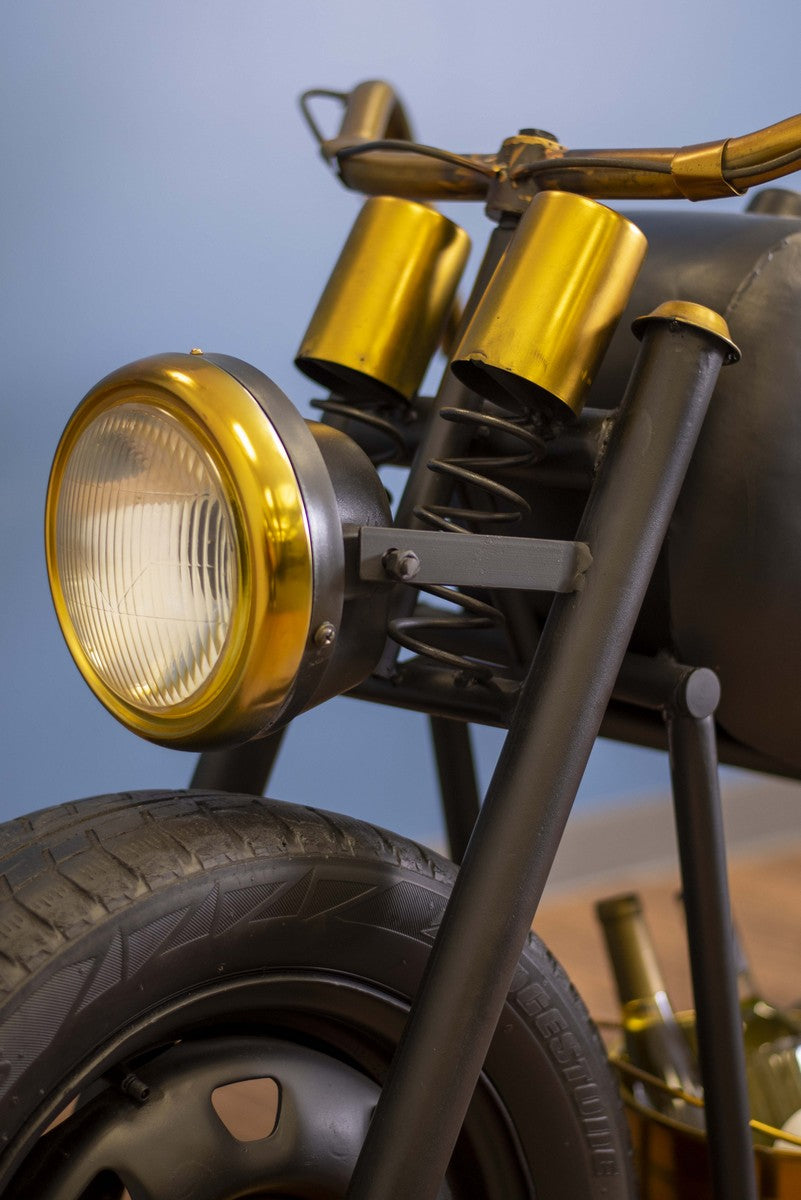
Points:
(160, 191)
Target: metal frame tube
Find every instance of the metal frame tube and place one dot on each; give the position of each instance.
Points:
(434, 690)
(518, 831)
(699, 828)
(457, 781)
(244, 768)
(688, 698)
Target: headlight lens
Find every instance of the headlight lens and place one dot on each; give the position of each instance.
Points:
(146, 553)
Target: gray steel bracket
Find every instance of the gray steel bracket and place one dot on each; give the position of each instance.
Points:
(432, 556)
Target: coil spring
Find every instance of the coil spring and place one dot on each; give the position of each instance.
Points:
(468, 474)
(386, 418)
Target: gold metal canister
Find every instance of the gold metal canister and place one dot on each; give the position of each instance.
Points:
(672, 1161)
(385, 306)
(545, 320)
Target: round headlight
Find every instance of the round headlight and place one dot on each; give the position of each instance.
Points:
(195, 550)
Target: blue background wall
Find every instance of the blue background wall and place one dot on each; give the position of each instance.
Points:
(160, 192)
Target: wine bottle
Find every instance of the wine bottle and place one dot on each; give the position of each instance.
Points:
(653, 1037)
(772, 1042)
(772, 1039)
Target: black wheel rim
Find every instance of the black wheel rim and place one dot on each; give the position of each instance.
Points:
(174, 1142)
(146, 1119)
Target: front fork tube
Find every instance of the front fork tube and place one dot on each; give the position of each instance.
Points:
(551, 734)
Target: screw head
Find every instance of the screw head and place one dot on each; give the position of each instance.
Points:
(537, 133)
(401, 564)
(325, 634)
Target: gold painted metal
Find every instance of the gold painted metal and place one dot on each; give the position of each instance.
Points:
(673, 1160)
(685, 312)
(698, 172)
(759, 155)
(414, 176)
(719, 168)
(387, 302)
(372, 110)
(270, 623)
(510, 191)
(544, 322)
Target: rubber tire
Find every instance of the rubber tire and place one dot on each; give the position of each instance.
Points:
(119, 908)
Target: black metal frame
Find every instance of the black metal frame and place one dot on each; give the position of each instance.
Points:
(557, 716)
(553, 718)
(582, 680)
(686, 699)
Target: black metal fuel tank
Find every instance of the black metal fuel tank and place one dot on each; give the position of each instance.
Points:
(727, 593)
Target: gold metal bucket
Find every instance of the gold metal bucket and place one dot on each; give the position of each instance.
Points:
(672, 1160)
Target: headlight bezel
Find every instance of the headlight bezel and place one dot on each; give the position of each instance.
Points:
(290, 559)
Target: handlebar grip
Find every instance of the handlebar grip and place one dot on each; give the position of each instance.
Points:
(372, 111)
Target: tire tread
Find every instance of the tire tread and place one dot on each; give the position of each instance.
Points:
(74, 865)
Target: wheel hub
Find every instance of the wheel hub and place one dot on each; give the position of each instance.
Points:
(175, 1142)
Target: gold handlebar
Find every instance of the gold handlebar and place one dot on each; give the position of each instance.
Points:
(376, 155)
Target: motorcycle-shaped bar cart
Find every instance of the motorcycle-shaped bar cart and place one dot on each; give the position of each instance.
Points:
(598, 533)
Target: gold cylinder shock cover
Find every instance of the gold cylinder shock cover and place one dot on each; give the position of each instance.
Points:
(384, 308)
(545, 320)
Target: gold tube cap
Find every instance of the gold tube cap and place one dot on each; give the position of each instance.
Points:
(545, 320)
(386, 303)
(686, 312)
